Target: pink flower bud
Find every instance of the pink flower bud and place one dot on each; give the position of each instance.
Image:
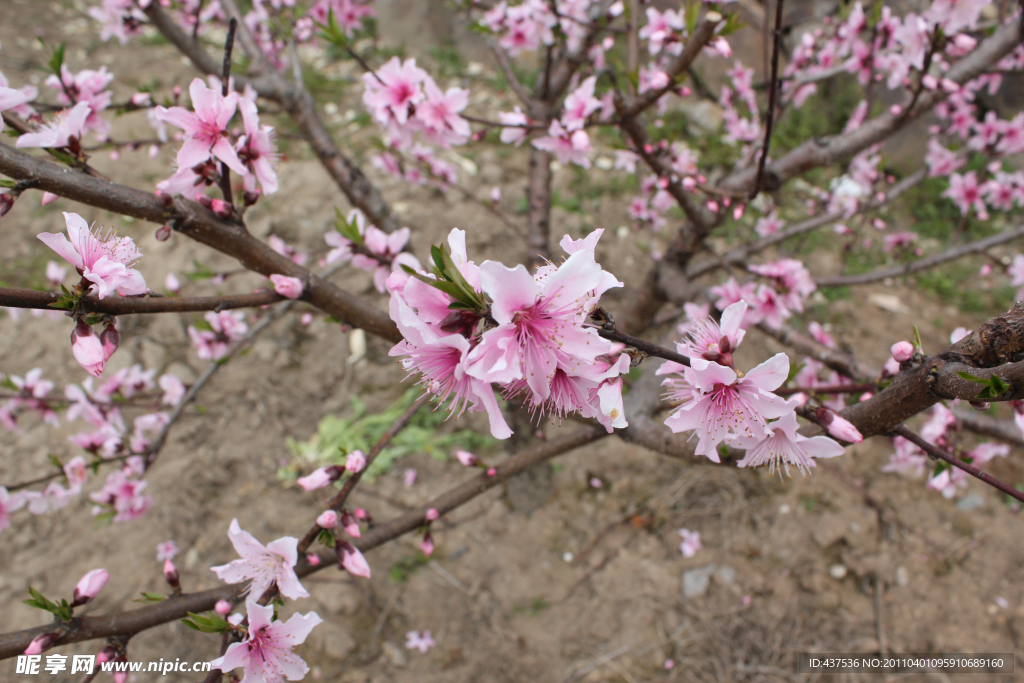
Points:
(491, 472)
(172, 283)
(328, 519)
(221, 208)
(290, 287)
(110, 338)
(171, 573)
(841, 428)
(222, 607)
(361, 513)
(49, 198)
(738, 212)
(6, 203)
(466, 458)
(355, 462)
(163, 233)
(87, 349)
(204, 200)
(107, 654)
(902, 351)
(251, 198)
(41, 643)
(495, 194)
(351, 560)
(307, 318)
(350, 524)
(432, 514)
(865, 396)
(313, 559)
(89, 586)
(165, 199)
(895, 110)
(320, 478)
(427, 546)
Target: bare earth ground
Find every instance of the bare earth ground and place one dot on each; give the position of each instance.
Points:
(499, 596)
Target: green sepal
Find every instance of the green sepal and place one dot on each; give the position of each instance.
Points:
(213, 623)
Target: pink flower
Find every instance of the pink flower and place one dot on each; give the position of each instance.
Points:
(439, 113)
(320, 478)
(290, 287)
(257, 150)
(264, 565)
(171, 574)
(907, 458)
(787, 447)
(580, 104)
(11, 98)
(948, 481)
(691, 544)
(393, 89)
(898, 240)
(173, 390)
(966, 193)
(120, 19)
(87, 86)
(355, 462)
(167, 550)
(985, 452)
(567, 147)
(327, 519)
(725, 404)
(105, 261)
(409, 477)
(427, 544)
(415, 641)
(466, 458)
(89, 586)
(790, 278)
(769, 225)
(514, 130)
(902, 351)
(215, 343)
(88, 349)
(206, 129)
(715, 341)
(958, 334)
(841, 428)
(266, 653)
(538, 324)
(65, 129)
(123, 495)
(9, 502)
(351, 560)
(75, 471)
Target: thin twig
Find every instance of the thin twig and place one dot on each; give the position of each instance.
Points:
(934, 450)
(225, 85)
(773, 92)
(338, 501)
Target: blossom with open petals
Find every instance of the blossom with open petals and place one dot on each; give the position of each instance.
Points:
(105, 261)
(64, 129)
(786, 447)
(266, 653)
(724, 404)
(206, 128)
(265, 565)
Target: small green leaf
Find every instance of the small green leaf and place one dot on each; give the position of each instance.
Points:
(57, 59)
(152, 597)
(917, 340)
(971, 378)
(692, 14)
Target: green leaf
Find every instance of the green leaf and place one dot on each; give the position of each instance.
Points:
(57, 59)
(971, 378)
(692, 14)
(917, 340)
(994, 385)
(207, 624)
(731, 25)
(152, 597)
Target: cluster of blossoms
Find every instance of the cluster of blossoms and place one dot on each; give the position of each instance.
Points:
(469, 328)
(369, 248)
(107, 439)
(225, 328)
(721, 405)
(207, 142)
(790, 285)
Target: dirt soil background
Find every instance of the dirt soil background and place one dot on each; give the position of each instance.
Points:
(590, 585)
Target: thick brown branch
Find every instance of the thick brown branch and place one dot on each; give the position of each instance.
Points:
(202, 225)
(116, 305)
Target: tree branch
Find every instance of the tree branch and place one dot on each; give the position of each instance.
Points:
(202, 225)
(116, 305)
